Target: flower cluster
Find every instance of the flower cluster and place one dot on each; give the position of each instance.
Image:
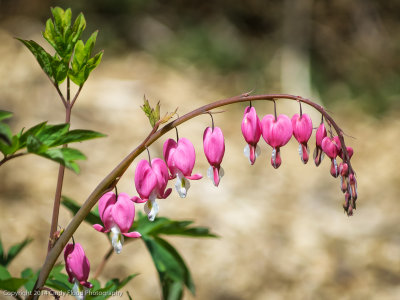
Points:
(278, 130)
(117, 212)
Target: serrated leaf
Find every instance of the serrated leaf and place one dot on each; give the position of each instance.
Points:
(5, 115)
(77, 135)
(151, 113)
(16, 249)
(92, 218)
(51, 133)
(43, 58)
(12, 284)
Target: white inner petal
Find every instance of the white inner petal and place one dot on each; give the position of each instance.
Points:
(336, 166)
(182, 185)
(151, 209)
(117, 239)
(246, 152)
(258, 151)
(78, 290)
(273, 156)
(210, 173)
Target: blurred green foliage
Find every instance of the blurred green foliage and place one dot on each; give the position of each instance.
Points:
(353, 47)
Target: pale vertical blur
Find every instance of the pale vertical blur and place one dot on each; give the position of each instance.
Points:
(283, 233)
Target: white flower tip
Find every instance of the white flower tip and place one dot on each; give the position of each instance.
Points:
(182, 185)
(117, 239)
(151, 209)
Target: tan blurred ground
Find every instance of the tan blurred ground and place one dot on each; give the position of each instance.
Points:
(283, 234)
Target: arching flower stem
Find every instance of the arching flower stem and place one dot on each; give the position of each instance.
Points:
(109, 182)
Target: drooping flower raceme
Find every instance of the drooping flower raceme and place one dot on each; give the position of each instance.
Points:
(302, 129)
(117, 216)
(151, 181)
(277, 133)
(319, 136)
(180, 158)
(214, 149)
(251, 130)
(78, 267)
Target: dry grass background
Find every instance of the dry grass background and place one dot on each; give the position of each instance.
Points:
(283, 234)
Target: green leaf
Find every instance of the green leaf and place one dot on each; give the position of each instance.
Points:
(77, 135)
(4, 274)
(43, 58)
(60, 69)
(162, 225)
(82, 65)
(10, 149)
(64, 156)
(150, 112)
(5, 115)
(1, 251)
(12, 284)
(16, 249)
(34, 145)
(35, 130)
(31, 278)
(171, 268)
(51, 133)
(92, 218)
(5, 134)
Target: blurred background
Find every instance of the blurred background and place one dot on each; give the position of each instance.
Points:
(283, 233)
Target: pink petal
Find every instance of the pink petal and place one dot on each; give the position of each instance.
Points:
(276, 133)
(330, 147)
(145, 179)
(76, 263)
(123, 212)
(320, 134)
(251, 126)
(168, 151)
(133, 234)
(136, 199)
(184, 157)
(160, 169)
(214, 145)
(100, 228)
(105, 201)
(194, 177)
(302, 127)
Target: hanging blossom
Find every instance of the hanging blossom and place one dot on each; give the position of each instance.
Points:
(251, 130)
(78, 267)
(151, 181)
(117, 216)
(319, 136)
(331, 147)
(214, 149)
(277, 133)
(302, 129)
(180, 158)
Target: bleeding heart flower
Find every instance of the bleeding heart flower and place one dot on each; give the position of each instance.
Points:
(251, 130)
(180, 158)
(117, 217)
(78, 267)
(319, 136)
(277, 133)
(151, 181)
(331, 147)
(302, 129)
(214, 149)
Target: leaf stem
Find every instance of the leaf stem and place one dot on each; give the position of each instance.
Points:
(9, 157)
(113, 177)
(103, 262)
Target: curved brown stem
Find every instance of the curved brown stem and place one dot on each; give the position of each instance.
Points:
(112, 178)
(9, 157)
